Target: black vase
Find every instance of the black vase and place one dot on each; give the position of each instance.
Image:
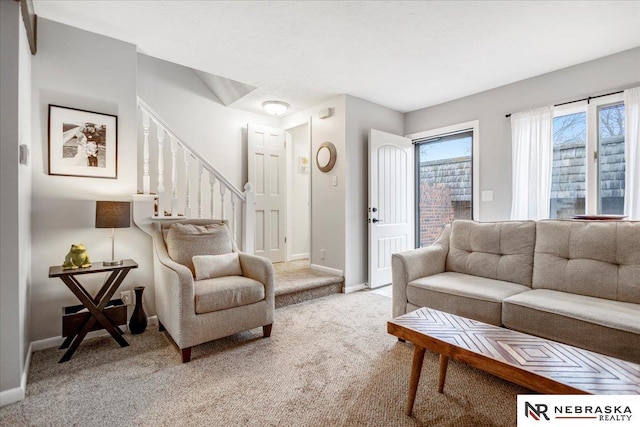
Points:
(138, 321)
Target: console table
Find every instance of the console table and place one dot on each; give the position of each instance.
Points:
(96, 304)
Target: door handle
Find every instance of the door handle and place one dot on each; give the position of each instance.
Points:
(374, 220)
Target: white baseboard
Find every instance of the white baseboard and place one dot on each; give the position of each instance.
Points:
(57, 341)
(14, 395)
(381, 286)
(296, 257)
(47, 343)
(354, 288)
(10, 396)
(328, 270)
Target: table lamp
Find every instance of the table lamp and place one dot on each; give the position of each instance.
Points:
(113, 215)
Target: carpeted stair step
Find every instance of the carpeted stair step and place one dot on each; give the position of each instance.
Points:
(296, 282)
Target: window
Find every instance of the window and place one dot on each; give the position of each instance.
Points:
(569, 167)
(611, 159)
(445, 169)
(587, 175)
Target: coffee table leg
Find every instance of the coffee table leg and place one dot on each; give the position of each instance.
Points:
(416, 370)
(444, 362)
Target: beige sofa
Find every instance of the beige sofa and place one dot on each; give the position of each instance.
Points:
(576, 282)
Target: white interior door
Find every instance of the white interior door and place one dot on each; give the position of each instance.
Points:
(391, 202)
(267, 173)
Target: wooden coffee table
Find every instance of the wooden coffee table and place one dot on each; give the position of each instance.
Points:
(541, 365)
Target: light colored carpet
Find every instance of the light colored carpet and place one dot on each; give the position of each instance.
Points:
(296, 282)
(329, 362)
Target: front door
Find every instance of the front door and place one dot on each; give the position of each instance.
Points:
(267, 173)
(391, 202)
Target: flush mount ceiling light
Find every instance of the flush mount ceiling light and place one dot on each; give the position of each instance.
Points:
(275, 108)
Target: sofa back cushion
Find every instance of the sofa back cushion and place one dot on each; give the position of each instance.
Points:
(184, 241)
(495, 250)
(593, 258)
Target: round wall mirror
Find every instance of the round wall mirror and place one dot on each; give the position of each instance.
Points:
(326, 156)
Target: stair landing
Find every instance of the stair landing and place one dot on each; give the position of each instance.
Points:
(297, 282)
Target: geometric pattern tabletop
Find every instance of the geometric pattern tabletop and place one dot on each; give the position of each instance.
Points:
(507, 350)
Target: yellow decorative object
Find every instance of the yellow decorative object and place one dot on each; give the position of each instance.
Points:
(76, 258)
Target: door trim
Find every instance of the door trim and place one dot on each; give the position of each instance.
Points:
(289, 256)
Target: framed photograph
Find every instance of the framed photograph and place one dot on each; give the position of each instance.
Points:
(82, 143)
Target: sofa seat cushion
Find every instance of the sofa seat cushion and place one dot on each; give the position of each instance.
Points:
(474, 297)
(226, 292)
(604, 326)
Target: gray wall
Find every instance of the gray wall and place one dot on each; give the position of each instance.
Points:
(64, 207)
(75, 68)
(327, 200)
(195, 113)
(181, 98)
(608, 74)
(339, 213)
(15, 193)
(361, 117)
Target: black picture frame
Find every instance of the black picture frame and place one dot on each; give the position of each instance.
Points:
(82, 143)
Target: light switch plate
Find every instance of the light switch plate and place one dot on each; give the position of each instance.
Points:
(487, 196)
(24, 154)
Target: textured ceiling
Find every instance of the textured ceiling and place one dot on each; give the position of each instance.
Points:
(403, 55)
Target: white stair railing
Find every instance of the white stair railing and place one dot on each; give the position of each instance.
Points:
(234, 195)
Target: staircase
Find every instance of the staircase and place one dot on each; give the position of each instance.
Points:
(188, 176)
(188, 173)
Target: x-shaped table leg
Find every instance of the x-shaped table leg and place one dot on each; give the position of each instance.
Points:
(95, 306)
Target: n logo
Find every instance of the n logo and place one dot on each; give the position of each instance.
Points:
(536, 411)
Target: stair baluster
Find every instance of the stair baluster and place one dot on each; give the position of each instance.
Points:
(146, 178)
(200, 172)
(233, 218)
(143, 214)
(212, 182)
(222, 190)
(160, 135)
(174, 176)
(248, 219)
(187, 183)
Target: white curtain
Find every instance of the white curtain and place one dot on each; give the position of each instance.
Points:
(632, 153)
(532, 157)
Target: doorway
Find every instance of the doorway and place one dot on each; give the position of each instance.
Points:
(299, 189)
(390, 202)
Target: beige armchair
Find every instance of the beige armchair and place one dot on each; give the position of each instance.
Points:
(195, 310)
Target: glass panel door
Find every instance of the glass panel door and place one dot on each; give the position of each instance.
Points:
(444, 177)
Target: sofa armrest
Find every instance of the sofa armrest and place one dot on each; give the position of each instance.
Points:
(260, 269)
(411, 265)
(174, 291)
